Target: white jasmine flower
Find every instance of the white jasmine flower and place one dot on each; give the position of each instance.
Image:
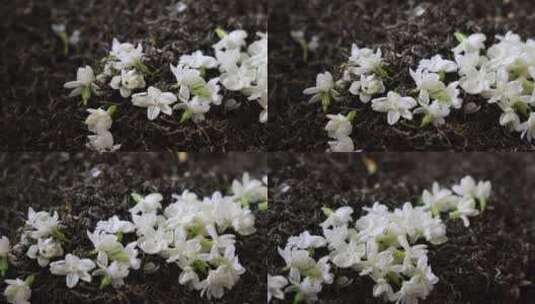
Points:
(194, 109)
(339, 217)
(420, 284)
(113, 273)
(427, 82)
(465, 208)
(367, 87)
(238, 78)
(477, 81)
(128, 55)
(342, 144)
(528, 127)
(155, 101)
(44, 251)
(439, 199)
(470, 44)
(338, 126)
(102, 142)
(148, 204)
(307, 289)
(434, 112)
(468, 62)
(232, 40)
(505, 90)
(395, 105)
(365, 61)
(187, 80)
(275, 286)
(98, 121)
(323, 91)
(249, 190)
(437, 65)
(18, 291)
(114, 225)
(224, 277)
(509, 118)
(42, 224)
(74, 268)
(469, 188)
(84, 84)
(155, 241)
(305, 241)
(198, 61)
(127, 82)
(107, 244)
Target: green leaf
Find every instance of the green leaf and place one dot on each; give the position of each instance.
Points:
(140, 66)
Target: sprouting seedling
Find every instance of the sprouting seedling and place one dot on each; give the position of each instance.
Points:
(61, 32)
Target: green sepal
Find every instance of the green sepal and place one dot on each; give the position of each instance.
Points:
(298, 298)
(86, 94)
(460, 36)
(105, 282)
(263, 206)
(137, 197)
(186, 115)
(220, 32)
(325, 100)
(111, 110)
(426, 120)
(58, 235)
(351, 116)
(29, 280)
(4, 266)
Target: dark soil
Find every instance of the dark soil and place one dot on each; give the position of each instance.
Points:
(63, 182)
(489, 262)
(405, 39)
(37, 114)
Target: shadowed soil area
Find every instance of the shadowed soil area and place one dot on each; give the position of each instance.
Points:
(405, 39)
(492, 261)
(37, 114)
(67, 183)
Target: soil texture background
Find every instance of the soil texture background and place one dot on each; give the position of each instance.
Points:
(405, 39)
(37, 114)
(69, 184)
(492, 261)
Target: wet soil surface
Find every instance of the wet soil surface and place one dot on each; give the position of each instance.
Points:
(37, 114)
(67, 183)
(404, 38)
(489, 262)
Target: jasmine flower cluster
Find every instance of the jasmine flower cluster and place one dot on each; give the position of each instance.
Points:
(503, 74)
(384, 245)
(236, 67)
(197, 235)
